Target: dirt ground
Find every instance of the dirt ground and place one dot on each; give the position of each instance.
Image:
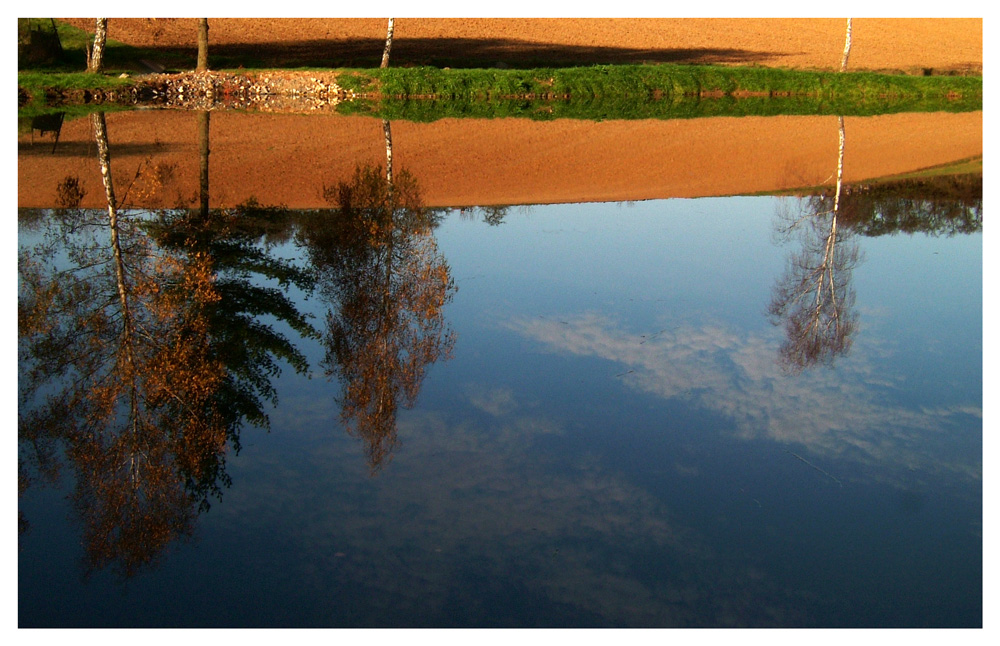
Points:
(902, 44)
(286, 159)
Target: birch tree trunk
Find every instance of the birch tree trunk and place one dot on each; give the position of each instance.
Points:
(847, 47)
(388, 46)
(100, 127)
(96, 58)
(840, 166)
(388, 153)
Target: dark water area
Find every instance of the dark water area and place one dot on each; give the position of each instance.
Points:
(715, 412)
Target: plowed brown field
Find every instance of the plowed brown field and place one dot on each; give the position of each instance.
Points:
(906, 44)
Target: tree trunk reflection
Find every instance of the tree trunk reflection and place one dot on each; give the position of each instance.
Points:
(814, 300)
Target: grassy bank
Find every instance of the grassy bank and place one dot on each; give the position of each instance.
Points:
(598, 92)
(41, 94)
(648, 92)
(650, 81)
(40, 84)
(52, 71)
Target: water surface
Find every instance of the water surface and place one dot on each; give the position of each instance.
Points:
(730, 411)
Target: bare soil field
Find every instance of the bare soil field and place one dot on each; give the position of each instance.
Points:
(911, 45)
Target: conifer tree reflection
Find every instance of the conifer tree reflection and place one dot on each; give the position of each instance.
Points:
(230, 241)
(814, 299)
(379, 268)
(138, 363)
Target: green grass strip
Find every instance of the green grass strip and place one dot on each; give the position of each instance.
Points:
(643, 81)
(43, 82)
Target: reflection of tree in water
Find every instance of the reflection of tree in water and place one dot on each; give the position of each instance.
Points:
(814, 299)
(378, 265)
(130, 372)
(944, 205)
(249, 349)
(493, 215)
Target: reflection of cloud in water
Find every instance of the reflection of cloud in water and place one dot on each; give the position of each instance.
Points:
(496, 401)
(477, 500)
(830, 412)
(567, 531)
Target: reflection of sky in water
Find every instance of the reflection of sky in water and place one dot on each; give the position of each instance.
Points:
(673, 303)
(738, 377)
(613, 443)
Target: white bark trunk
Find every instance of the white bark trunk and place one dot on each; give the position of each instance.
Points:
(847, 47)
(96, 58)
(388, 46)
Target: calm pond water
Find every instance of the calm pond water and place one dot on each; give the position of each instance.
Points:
(732, 411)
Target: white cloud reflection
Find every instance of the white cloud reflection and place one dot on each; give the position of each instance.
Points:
(496, 401)
(852, 409)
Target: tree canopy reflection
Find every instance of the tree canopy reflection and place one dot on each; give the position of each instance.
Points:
(147, 340)
(117, 380)
(939, 206)
(141, 353)
(814, 300)
(378, 266)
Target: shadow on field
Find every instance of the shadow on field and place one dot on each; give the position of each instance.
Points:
(453, 52)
